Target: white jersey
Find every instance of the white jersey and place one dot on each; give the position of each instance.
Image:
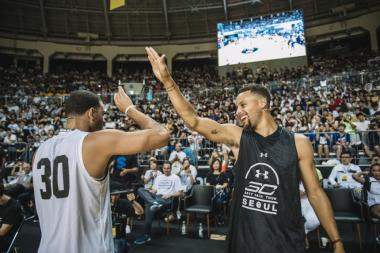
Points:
(73, 207)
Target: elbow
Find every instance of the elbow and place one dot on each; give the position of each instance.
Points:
(315, 195)
(166, 137)
(192, 123)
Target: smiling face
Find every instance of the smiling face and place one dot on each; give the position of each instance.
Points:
(250, 108)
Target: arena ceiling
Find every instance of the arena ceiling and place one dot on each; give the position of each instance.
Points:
(142, 20)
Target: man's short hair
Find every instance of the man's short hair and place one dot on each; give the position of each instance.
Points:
(259, 90)
(345, 153)
(80, 101)
(166, 162)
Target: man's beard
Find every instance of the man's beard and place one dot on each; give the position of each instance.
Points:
(96, 126)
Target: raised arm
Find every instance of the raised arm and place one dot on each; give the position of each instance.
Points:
(226, 133)
(315, 193)
(100, 146)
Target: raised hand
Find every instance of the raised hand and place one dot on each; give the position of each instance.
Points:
(160, 69)
(122, 100)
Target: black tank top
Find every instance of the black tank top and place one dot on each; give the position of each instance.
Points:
(266, 211)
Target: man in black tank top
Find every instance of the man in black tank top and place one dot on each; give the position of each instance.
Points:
(266, 211)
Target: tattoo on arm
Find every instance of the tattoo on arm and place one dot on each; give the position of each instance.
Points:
(214, 131)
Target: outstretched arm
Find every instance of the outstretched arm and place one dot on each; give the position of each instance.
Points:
(315, 193)
(100, 146)
(226, 133)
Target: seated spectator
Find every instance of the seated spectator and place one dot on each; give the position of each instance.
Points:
(323, 138)
(195, 141)
(21, 188)
(166, 187)
(362, 126)
(122, 211)
(220, 180)
(341, 140)
(10, 218)
(151, 174)
(371, 182)
(373, 146)
(187, 175)
(125, 169)
(341, 174)
(176, 158)
(22, 182)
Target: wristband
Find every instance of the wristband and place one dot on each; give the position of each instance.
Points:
(127, 109)
(335, 242)
(170, 88)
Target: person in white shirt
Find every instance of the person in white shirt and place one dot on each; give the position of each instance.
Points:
(70, 173)
(341, 174)
(176, 158)
(165, 188)
(10, 138)
(151, 174)
(195, 141)
(187, 175)
(362, 127)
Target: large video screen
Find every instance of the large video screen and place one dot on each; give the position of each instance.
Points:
(270, 37)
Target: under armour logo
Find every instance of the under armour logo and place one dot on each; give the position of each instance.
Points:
(264, 175)
(263, 154)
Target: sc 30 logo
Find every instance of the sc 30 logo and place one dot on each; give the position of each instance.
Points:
(265, 189)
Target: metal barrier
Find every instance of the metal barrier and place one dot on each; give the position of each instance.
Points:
(199, 149)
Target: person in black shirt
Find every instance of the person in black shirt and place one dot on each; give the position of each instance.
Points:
(266, 211)
(10, 218)
(125, 169)
(218, 179)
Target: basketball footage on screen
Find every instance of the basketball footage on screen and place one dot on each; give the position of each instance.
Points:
(270, 37)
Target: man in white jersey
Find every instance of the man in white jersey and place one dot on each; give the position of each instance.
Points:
(71, 182)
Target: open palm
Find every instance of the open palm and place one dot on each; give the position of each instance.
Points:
(159, 66)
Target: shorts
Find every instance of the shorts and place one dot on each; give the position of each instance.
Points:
(373, 200)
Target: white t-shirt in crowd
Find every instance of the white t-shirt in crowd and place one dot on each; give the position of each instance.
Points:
(185, 178)
(167, 184)
(149, 174)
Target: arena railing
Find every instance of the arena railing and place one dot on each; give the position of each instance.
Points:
(201, 152)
